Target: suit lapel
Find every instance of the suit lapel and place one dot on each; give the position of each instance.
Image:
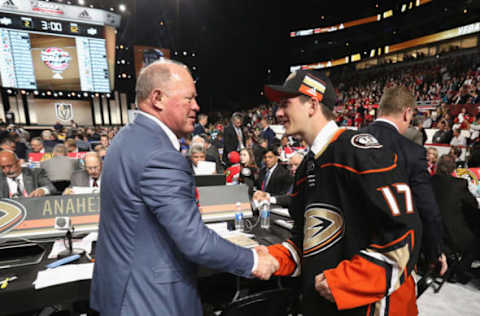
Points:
(5, 189)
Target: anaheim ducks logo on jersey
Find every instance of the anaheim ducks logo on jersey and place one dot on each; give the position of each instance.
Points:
(324, 226)
(365, 141)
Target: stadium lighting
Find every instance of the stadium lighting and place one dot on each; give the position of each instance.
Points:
(81, 2)
(122, 7)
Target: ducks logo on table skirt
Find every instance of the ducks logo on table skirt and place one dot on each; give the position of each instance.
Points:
(12, 214)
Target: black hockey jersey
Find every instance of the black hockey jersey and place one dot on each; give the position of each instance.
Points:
(355, 222)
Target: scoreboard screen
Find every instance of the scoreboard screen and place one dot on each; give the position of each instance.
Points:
(39, 53)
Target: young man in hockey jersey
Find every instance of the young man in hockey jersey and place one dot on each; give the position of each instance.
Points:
(356, 236)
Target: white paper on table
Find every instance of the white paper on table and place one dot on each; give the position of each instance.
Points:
(206, 168)
(63, 274)
(85, 190)
(85, 244)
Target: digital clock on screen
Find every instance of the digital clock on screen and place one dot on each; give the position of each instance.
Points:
(51, 26)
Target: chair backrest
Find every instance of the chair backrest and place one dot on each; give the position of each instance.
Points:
(276, 302)
(61, 185)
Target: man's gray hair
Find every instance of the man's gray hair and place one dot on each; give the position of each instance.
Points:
(60, 149)
(153, 76)
(196, 148)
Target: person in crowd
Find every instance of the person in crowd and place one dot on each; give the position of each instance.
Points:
(60, 167)
(200, 126)
(90, 177)
(82, 143)
(395, 113)
(211, 152)
(458, 139)
(249, 169)
(461, 219)
(414, 134)
(432, 157)
(16, 181)
(274, 178)
(8, 143)
(259, 147)
(443, 135)
(346, 231)
(149, 210)
(104, 141)
(284, 200)
(71, 145)
(101, 151)
(232, 173)
(196, 153)
(58, 126)
(48, 140)
(267, 132)
(37, 146)
(233, 138)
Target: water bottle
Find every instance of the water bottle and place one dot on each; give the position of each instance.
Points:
(239, 224)
(265, 215)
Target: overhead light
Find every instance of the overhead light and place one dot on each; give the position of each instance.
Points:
(49, 92)
(194, 68)
(22, 91)
(108, 95)
(73, 94)
(193, 54)
(96, 94)
(184, 53)
(9, 91)
(85, 94)
(81, 2)
(112, 9)
(60, 93)
(465, 11)
(35, 92)
(91, 6)
(55, 94)
(122, 7)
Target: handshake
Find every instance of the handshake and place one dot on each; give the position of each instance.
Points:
(266, 265)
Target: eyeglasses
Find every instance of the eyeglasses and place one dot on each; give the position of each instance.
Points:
(95, 168)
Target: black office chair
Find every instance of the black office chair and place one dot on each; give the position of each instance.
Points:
(278, 302)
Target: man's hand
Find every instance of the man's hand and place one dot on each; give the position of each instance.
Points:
(37, 193)
(260, 196)
(321, 285)
(443, 264)
(266, 265)
(68, 191)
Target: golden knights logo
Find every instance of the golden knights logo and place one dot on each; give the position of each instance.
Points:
(324, 226)
(12, 213)
(64, 111)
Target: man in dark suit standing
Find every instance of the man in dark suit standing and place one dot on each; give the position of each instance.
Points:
(267, 132)
(274, 178)
(459, 209)
(233, 139)
(151, 236)
(16, 181)
(395, 113)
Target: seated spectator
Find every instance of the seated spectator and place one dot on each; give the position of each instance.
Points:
(60, 167)
(283, 200)
(459, 210)
(196, 153)
(458, 139)
(71, 145)
(48, 140)
(90, 177)
(443, 135)
(8, 143)
(104, 141)
(432, 156)
(211, 152)
(249, 169)
(274, 178)
(101, 150)
(233, 172)
(16, 181)
(37, 146)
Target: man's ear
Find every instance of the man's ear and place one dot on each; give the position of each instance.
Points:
(313, 106)
(157, 98)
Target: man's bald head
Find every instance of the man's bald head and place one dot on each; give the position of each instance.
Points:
(157, 75)
(10, 164)
(93, 164)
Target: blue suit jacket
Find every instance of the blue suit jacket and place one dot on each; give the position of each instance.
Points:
(413, 158)
(151, 236)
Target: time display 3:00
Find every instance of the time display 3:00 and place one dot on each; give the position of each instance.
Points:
(51, 26)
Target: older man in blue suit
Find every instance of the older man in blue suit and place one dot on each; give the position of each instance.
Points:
(151, 236)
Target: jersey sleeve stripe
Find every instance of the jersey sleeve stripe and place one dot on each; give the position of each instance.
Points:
(333, 164)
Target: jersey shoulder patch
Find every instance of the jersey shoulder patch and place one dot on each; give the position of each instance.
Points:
(365, 141)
